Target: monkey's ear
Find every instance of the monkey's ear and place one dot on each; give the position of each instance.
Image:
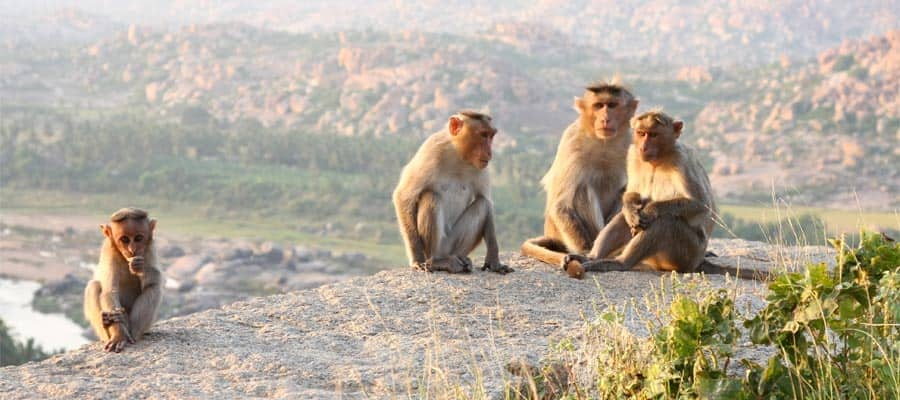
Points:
(454, 125)
(106, 231)
(578, 105)
(632, 105)
(677, 126)
(152, 225)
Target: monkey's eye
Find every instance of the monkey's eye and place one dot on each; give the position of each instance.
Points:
(652, 135)
(138, 238)
(124, 239)
(612, 105)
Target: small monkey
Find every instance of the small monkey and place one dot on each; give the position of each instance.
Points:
(585, 182)
(667, 209)
(122, 300)
(443, 199)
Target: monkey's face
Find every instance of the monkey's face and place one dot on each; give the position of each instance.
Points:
(131, 237)
(473, 140)
(605, 113)
(656, 142)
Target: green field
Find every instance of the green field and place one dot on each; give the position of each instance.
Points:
(836, 221)
(183, 220)
(191, 220)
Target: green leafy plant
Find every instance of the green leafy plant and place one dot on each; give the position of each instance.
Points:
(836, 332)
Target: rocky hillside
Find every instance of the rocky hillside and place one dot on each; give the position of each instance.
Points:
(670, 31)
(201, 273)
(812, 125)
(399, 332)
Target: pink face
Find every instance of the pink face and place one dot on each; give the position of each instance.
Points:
(474, 139)
(606, 114)
(656, 142)
(131, 237)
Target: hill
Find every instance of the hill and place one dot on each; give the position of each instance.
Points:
(398, 332)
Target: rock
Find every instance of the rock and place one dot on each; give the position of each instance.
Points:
(374, 336)
(186, 266)
(171, 251)
(237, 253)
(269, 252)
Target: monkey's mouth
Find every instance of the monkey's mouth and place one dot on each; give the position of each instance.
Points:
(484, 162)
(605, 132)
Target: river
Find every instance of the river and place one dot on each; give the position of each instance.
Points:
(50, 331)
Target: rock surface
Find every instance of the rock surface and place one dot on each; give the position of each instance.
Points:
(397, 333)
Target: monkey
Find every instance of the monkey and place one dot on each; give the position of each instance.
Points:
(667, 208)
(586, 180)
(443, 199)
(123, 298)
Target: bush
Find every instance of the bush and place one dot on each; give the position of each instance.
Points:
(833, 335)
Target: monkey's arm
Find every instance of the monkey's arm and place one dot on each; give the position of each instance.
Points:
(678, 207)
(143, 312)
(572, 224)
(112, 312)
(406, 207)
(492, 249)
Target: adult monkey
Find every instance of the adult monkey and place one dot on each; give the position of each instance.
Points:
(585, 182)
(668, 208)
(443, 199)
(122, 300)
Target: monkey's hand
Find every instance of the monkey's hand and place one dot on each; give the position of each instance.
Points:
(496, 266)
(631, 210)
(116, 316)
(646, 216)
(136, 265)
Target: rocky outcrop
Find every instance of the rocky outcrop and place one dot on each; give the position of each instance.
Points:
(396, 333)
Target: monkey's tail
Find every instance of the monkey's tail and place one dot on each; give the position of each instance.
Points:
(548, 250)
(748, 274)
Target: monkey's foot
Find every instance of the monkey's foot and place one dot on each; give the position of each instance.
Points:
(422, 266)
(497, 267)
(571, 264)
(467, 263)
(604, 266)
(453, 265)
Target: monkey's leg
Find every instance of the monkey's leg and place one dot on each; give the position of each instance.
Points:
(92, 311)
(612, 237)
(429, 221)
(669, 244)
(431, 226)
(465, 234)
(144, 310)
(577, 223)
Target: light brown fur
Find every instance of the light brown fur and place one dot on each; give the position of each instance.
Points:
(122, 300)
(443, 199)
(668, 208)
(585, 181)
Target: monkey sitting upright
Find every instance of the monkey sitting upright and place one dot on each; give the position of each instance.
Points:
(667, 209)
(122, 300)
(585, 182)
(443, 199)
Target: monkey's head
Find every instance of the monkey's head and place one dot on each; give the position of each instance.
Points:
(655, 134)
(605, 109)
(472, 135)
(131, 233)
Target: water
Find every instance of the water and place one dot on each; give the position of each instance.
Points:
(50, 331)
